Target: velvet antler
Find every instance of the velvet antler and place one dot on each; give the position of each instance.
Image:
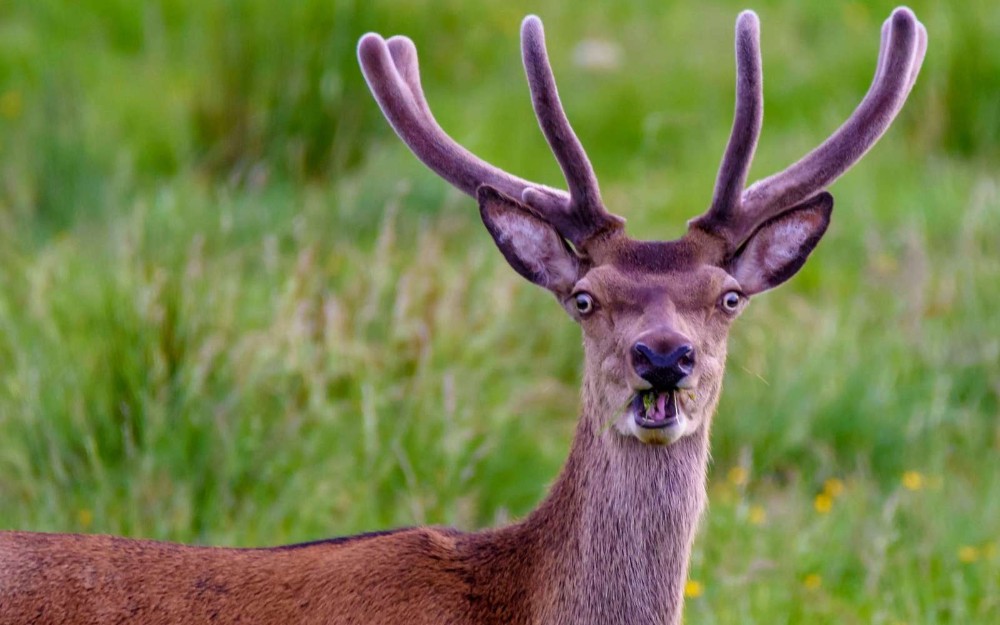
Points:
(734, 215)
(393, 74)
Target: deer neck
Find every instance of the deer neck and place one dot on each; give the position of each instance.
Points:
(614, 535)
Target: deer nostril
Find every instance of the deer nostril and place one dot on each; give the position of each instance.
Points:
(642, 356)
(663, 370)
(685, 361)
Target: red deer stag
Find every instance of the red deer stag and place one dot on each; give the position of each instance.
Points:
(611, 541)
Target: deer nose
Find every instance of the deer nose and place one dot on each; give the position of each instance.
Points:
(663, 371)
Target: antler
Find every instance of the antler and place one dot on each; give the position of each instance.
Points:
(746, 121)
(392, 72)
(734, 215)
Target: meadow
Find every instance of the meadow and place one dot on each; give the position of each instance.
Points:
(235, 310)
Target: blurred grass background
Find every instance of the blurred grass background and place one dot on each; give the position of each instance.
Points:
(235, 310)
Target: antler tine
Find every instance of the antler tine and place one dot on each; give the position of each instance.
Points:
(404, 59)
(551, 117)
(393, 75)
(746, 124)
(901, 56)
(918, 56)
(584, 215)
(882, 48)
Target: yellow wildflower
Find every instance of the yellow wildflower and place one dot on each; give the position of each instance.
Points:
(84, 517)
(812, 581)
(967, 554)
(737, 476)
(913, 480)
(693, 589)
(757, 515)
(823, 503)
(833, 487)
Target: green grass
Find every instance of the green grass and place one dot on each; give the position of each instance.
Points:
(234, 310)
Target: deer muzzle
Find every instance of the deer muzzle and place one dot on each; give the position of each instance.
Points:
(663, 371)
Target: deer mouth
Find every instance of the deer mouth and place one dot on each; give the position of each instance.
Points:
(655, 409)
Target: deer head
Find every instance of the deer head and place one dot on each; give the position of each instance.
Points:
(655, 314)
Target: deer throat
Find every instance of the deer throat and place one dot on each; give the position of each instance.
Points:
(622, 539)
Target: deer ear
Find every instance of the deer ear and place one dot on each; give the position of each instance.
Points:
(529, 243)
(779, 248)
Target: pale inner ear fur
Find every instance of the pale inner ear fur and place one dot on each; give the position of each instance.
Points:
(534, 245)
(779, 248)
(529, 243)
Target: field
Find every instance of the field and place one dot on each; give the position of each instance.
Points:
(235, 310)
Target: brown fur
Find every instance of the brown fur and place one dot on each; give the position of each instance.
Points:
(541, 570)
(611, 542)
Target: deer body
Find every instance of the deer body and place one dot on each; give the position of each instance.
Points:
(604, 547)
(611, 542)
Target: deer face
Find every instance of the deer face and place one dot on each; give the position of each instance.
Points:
(656, 343)
(655, 315)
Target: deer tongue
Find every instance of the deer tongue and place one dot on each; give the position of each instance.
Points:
(656, 408)
(662, 408)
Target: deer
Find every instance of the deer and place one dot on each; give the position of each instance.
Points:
(611, 541)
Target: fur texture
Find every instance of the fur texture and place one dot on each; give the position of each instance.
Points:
(611, 542)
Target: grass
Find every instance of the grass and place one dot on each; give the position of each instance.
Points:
(234, 310)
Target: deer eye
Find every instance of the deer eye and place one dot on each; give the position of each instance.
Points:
(730, 301)
(584, 303)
